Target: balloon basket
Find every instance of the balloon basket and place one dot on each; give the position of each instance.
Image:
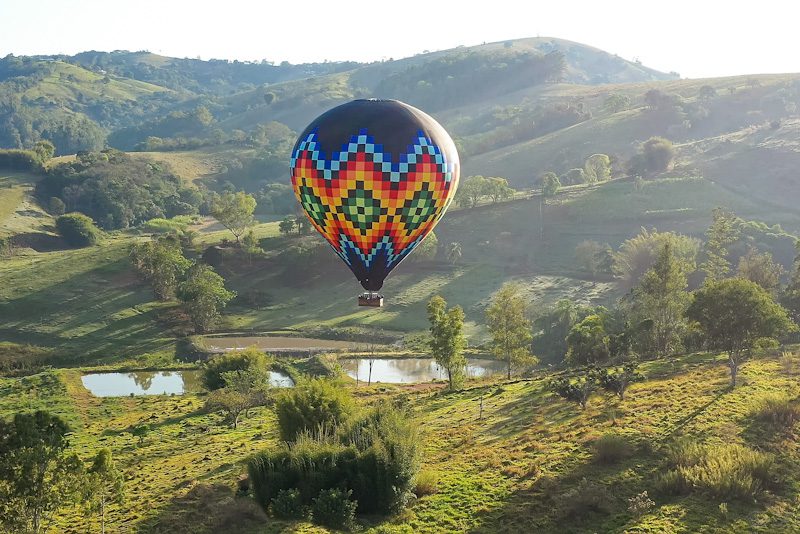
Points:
(371, 298)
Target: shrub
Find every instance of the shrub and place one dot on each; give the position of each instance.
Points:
(611, 448)
(315, 404)
(427, 483)
(727, 471)
(333, 508)
(56, 206)
(640, 504)
(288, 505)
(584, 499)
(576, 391)
(240, 360)
(77, 229)
(777, 409)
(376, 456)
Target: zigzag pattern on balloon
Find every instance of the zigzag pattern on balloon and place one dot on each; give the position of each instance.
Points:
(367, 205)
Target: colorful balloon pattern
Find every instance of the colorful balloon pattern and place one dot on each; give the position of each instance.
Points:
(374, 178)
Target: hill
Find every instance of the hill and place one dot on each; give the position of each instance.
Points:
(524, 461)
(77, 101)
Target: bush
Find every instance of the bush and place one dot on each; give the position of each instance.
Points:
(640, 504)
(584, 499)
(611, 448)
(777, 409)
(334, 509)
(311, 406)
(288, 505)
(77, 229)
(377, 457)
(241, 360)
(725, 471)
(427, 483)
(20, 160)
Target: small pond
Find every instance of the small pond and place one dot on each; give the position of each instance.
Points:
(156, 382)
(411, 370)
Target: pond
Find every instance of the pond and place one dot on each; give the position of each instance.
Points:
(411, 370)
(156, 383)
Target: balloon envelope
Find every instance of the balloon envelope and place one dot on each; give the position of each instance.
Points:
(374, 178)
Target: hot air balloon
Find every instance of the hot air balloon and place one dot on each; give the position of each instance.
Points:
(374, 177)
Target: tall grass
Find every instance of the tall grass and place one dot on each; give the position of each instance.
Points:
(726, 471)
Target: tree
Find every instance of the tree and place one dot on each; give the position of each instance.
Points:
(162, 263)
(578, 390)
(454, 252)
(471, 190)
(497, 189)
(733, 314)
(229, 400)
(791, 295)
(234, 211)
(287, 225)
(552, 329)
(617, 382)
(550, 185)
(447, 339)
(658, 154)
(661, 298)
(45, 150)
(77, 229)
(616, 102)
(593, 257)
(38, 475)
(723, 232)
(251, 358)
(508, 324)
(204, 296)
(637, 255)
(597, 168)
(104, 485)
(426, 250)
(588, 342)
(303, 224)
(761, 269)
(573, 177)
(141, 432)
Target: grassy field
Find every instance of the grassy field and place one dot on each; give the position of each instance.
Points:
(516, 469)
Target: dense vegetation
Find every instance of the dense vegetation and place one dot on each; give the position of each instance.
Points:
(118, 191)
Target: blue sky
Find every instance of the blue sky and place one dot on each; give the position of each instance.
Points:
(695, 38)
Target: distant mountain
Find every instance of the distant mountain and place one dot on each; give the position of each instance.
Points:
(121, 98)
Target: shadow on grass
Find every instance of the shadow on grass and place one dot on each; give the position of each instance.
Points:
(209, 508)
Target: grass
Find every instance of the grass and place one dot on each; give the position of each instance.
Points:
(526, 465)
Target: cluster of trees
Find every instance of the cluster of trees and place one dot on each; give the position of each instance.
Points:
(473, 189)
(77, 230)
(508, 324)
(116, 190)
(202, 291)
(40, 475)
(32, 160)
(596, 168)
(734, 310)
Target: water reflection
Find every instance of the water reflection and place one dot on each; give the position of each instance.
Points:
(156, 383)
(411, 370)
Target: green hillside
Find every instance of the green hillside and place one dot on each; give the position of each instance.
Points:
(527, 464)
